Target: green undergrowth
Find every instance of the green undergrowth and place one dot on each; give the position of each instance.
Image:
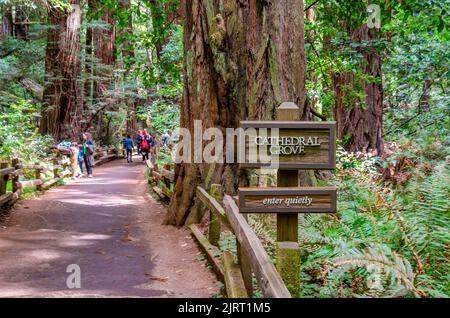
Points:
(390, 236)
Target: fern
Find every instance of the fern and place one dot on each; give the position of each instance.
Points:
(427, 223)
(388, 272)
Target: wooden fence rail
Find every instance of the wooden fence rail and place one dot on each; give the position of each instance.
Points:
(251, 256)
(11, 170)
(161, 179)
(235, 271)
(269, 280)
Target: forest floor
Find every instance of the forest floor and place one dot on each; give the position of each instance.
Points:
(111, 227)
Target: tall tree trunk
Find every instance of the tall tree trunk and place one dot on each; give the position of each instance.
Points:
(104, 40)
(104, 52)
(242, 60)
(157, 10)
(20, 25)
(313, 105)
(7, 23)
(88, 69)
(128, 55)
(63, 97)
(361, 124)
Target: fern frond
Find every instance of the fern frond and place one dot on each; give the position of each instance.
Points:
(385, 264)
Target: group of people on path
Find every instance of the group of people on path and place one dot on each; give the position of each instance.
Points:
(80, 154)
(145, 143)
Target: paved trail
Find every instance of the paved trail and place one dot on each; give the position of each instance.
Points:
(111, 228)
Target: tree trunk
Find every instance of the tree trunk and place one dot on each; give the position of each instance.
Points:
(63, 97)
(88, 69)
(20, 26)
(241, 61)
(7, 23)
(360, 123)
(158, 22)
(128, 56)
(104, 40)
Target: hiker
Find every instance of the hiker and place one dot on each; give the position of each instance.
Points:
(128, 145)
(139, 138)
(165, 138)
(80, 160)
(74, 160)
(88, 153)
(145, 147)
(65, 146)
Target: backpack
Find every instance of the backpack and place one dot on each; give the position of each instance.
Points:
(90, 148)
(153, 141)
(64, 148)
(145, 146)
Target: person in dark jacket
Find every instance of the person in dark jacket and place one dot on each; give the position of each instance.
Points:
(80, 159)
(128, 145)
(139, 138)
(88, 153)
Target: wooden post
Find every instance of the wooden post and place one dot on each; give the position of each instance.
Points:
(167, 180)
(246, 267)
(234, 283)
(38, 176)
(269, 279)
(288, 252)
(15, 179)
(55, 168)
(64, 165)
(214, 223)
(3, 179)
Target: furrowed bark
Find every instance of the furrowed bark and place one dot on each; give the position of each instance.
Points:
(63, 97)
(361, 123)
(242, 60)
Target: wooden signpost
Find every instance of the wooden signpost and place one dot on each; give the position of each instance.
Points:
(287, 200)
(296, 145)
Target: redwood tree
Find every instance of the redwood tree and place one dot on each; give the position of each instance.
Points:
(128, 55)
(63, 96)
(6, 28)
(20, 24)
(360, 122)
(242, 60)
(102, 47)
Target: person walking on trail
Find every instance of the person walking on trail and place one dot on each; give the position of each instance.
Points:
(128, 145)
(145, 147)
(139, 138)
(165, 138)
(88, 153)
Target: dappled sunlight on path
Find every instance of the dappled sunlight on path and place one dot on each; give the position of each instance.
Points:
(108, 226)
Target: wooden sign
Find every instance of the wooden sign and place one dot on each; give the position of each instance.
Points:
(287, 200)
(293, 145)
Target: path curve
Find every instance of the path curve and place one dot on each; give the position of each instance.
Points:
(111, 227)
